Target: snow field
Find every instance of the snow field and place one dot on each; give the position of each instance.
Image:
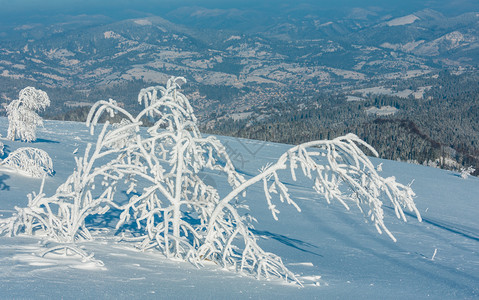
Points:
(334, 253)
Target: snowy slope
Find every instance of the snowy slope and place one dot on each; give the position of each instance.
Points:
(353, 260)
(409, 19)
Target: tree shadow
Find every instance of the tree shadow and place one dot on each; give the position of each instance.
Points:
(46, 141)
(294, 243)
(107, 220)
(3, 185)
(459, 229)
(6, 152)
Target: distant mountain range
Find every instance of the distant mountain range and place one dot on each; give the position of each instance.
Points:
(90, 56)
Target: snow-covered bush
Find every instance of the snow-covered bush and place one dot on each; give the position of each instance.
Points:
(62, 216)
(1, 149)
(466, 172)
(174, 210)
(30, 161)
(22, 117)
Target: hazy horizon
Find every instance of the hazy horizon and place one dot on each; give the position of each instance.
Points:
(24, 11)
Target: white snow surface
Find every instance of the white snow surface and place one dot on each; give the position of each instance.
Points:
(382, 111)
(143, 22)
(409, 19)
(333, 251)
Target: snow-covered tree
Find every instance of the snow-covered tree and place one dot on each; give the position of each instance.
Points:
(174, 210)
(170, 157)
(30, 161)
(22, 117)
(466, 172)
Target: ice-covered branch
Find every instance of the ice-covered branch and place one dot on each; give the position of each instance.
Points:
(340, 171)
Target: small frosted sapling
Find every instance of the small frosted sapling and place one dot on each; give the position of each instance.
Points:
(22, 114)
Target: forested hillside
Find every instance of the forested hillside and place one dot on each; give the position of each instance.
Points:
(434, 130)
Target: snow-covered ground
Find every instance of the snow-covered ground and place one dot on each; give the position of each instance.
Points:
(334, 252)
(382, 111)
(409, 19)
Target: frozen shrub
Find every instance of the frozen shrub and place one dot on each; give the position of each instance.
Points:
(31, 161)
(22, 117)
(466, 172)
